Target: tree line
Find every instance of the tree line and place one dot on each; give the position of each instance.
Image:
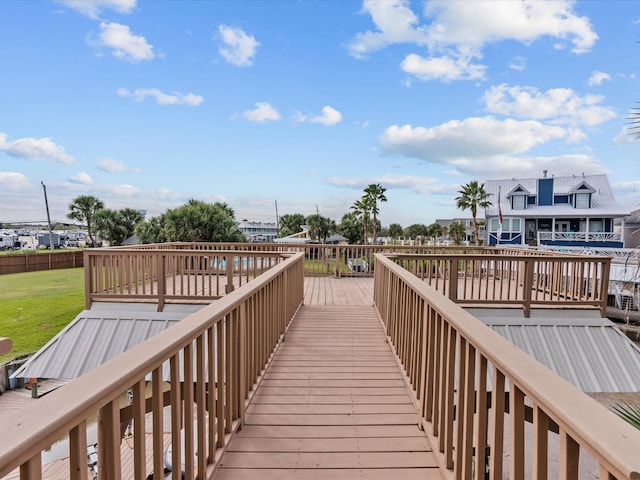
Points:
(198, 221)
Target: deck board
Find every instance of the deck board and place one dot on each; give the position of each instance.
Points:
(333, 401)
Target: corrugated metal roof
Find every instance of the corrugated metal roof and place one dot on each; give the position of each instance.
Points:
(603, 200)
(97, 335)
(588, 351)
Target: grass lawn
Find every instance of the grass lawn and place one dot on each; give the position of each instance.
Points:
(35, 306)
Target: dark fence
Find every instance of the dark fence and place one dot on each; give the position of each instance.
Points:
(34, 262)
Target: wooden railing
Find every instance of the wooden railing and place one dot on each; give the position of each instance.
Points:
(522, 280)
(476, 391)
(163, 275)
(223, 348)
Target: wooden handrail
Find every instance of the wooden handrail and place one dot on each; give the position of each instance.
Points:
(208, 345)
(437, 338)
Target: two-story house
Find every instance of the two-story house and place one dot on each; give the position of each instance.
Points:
(576, 210)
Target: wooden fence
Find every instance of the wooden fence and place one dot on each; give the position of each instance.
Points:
(35, 262)
(476, 391)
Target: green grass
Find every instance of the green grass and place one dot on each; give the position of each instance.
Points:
(35, 306)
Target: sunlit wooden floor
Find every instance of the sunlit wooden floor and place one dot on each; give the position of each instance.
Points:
(333, 403)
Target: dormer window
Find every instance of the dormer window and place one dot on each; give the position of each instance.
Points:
(582, 200)
(518, 202)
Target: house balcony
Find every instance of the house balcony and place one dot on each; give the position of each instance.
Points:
(581, 239)
(298, 366)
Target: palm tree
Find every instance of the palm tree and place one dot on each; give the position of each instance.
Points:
(473, 196)
(83, 209)
(362, 208)
(375, 193)
(457, 232)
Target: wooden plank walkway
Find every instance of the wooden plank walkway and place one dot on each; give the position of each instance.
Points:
(333, 402)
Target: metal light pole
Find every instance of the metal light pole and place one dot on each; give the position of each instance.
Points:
(46, 203)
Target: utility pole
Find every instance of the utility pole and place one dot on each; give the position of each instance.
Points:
(277, 218)
(317, 210)
(46, 204)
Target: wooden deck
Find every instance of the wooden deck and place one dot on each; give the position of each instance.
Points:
(333, 402)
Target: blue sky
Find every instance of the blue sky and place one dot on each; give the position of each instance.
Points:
(146, 104)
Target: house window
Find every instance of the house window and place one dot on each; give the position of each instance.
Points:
(518, 202)
(508, 224)
(582, 200)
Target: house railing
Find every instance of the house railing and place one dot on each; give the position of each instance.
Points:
(476, 391)
(579, 237)
(223, 348)
(514, 278)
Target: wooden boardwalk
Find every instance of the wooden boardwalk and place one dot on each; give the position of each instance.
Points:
(333, 402)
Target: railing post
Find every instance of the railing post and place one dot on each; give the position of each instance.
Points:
(162, 278)
(337, 256)
(89, 272)
(605, 271)
(453, 279)
(527, 286)
(229, 263)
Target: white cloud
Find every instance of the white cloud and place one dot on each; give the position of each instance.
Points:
(35, 149)
(395, 22)
(442, 68)
(173, 98)
(13, 181)
(125, 45)
(330, 116)
(558, 105)
(82, 178)
(93, 8)
(263, 112)
(518, 63)
(470, 138)
(473, 23)
(455, 33)
(238, 48)
(486, 146)
(414, 183)
(597, 78)
(114, 166)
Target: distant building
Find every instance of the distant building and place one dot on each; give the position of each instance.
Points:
(445, 223)
(577, 210)
(259, 231)
(631, 229)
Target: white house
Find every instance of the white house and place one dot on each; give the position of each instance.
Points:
(576, 210)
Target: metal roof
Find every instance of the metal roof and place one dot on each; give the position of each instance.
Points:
(97, 335)
(603, 200)
(586, 350)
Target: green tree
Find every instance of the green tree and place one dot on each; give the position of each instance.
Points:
(151, 231)
(290, 223)
(416, 231)
(109, 226)
(473, 196)
(83, 209)
(197, 221)
(320, 227)
(457, 232)
(362, 209)
(116, 226)
(434, 230)
(395, 231)
(375, 193)
(351, 227)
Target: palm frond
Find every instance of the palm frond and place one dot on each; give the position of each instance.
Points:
(628, 412)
